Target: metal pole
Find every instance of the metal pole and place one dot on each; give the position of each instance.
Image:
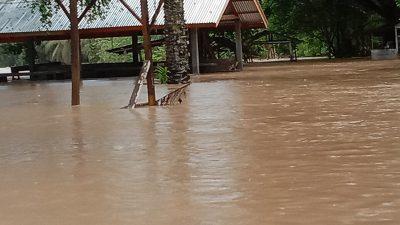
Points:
(397, 39)
(239, 48)
(372, 42)
(75, 55)
(151, 93)
(194, 43)
(291, 51)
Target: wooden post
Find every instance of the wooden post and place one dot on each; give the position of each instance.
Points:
(135, 50)
(31, 55)
(147, 52)
(138, 85)
(239, 48)
(194, 43)
(75, 54)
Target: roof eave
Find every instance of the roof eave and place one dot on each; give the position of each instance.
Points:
(259, 10)
(264, 18)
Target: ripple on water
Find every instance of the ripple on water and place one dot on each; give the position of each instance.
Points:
(310, 147)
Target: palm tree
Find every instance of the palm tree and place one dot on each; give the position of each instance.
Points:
(176, 39)
(54, 51)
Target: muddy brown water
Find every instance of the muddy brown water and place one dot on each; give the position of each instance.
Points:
(309, 144)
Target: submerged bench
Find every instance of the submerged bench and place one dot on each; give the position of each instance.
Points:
(15, 76)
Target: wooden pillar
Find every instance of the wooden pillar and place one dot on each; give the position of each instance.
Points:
(202, 51)
(75, 55)
(31, 55)
(239, 47)
(194, 43)
(135, 49)
(396, 39)
(151, 93)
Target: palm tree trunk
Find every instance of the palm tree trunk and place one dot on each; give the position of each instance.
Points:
(176, 41)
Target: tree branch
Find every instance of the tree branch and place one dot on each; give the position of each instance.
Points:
(156, 13)
(64, 9)
(88, 7)
(131, 11)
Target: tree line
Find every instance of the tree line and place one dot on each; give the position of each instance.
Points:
(333, 28)
(344, 28)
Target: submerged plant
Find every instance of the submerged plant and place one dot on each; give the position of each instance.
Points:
(161, 74)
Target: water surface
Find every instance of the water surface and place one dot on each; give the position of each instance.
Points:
(305, 144)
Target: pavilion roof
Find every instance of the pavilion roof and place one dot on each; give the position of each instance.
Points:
(18, 22)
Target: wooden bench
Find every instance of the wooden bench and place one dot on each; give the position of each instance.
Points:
(15, 76)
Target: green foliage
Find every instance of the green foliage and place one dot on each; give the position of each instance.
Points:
(223, 44)
(47, 8)
(342, 27)
(11, 55)
(159, 53)
(95, 50)
(161, 74)
(96, 10)
(54, 51)
(311, 47)
(13, 49)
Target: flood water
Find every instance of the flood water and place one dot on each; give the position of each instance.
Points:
(272, 146)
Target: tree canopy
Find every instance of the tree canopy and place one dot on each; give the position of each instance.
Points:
(325, 27)
(344, 27)
(47, 8)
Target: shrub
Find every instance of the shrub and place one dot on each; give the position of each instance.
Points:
(161, 74)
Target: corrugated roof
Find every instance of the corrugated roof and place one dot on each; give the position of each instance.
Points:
(249, 11)
(17, 17)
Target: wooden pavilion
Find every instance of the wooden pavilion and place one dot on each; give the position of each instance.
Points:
(123, 18)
